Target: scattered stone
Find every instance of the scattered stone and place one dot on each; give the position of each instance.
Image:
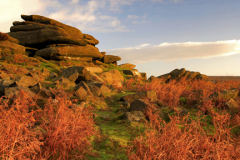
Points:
(152, 95)
(85, 86)
(34, 76)
(111, 59)
(11, 91)
(96, 91)
(52, 75)
(137, 116)
(81, 93)
(139, 105)
(127, 66)
(63, 82)
(45, 93)
(23, 81)
(36, 89)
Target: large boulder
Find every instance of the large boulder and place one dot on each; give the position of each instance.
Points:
(69, 51)
(139, 105)
(37, 30)
(112, 76)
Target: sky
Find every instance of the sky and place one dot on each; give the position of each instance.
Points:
(155, 35)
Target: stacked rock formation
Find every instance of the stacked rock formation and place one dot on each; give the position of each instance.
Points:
(178, 74)
(51, 39)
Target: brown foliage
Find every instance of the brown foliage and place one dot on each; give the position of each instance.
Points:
(181, 139)
(60, 131)
(18, 140)
(4, 36)
(68, 130)
(21, 59)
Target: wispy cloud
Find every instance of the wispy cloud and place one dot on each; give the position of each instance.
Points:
(176, 51)
(85, 15)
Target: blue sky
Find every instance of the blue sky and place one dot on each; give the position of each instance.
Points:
(156, 35)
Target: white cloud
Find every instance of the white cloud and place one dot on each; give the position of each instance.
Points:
(10, 10)
(176, 51)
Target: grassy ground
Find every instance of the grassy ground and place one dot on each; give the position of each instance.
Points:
(114, 133)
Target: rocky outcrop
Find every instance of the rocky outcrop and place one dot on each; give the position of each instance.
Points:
(37, 30)
(51, 39)
(178, 74)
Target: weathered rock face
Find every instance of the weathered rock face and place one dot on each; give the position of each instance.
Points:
(178, 74)
(37, 30)
(59, 52)
(90, 39)
(112, 76)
